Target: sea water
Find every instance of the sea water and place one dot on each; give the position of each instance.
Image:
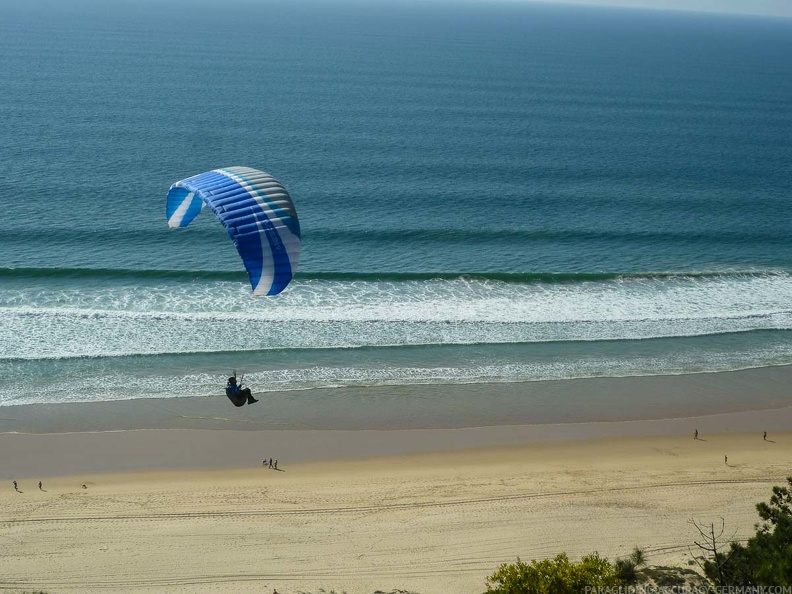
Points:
(487, 193)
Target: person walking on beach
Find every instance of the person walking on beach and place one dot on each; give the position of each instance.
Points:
(765, 436)
(16, 487)
(726, 460)
(270, 462)
(40, 487)
(276, 465)
(695, 434)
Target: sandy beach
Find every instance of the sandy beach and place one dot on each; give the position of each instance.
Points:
(434, 511)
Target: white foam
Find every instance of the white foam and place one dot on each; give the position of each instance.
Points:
(217, 316)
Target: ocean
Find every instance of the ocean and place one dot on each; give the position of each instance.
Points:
(488, 193)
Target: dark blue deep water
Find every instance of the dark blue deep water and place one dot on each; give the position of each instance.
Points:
(487, 193)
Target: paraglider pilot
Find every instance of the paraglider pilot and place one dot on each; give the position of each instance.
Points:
(237, 394)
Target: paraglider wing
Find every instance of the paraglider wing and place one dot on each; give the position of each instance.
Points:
(258, 215)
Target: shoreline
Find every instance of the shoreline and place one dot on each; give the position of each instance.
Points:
(428, 406)
(208, 433)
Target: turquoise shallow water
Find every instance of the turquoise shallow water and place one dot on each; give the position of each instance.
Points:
(487, 194)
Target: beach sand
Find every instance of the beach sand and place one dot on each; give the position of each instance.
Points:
(433, 511)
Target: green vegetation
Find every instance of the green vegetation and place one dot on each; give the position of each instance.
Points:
(626, 570)
(766, 559)
(553, 576)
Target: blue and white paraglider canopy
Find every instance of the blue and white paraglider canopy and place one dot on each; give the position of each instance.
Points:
(256, 211)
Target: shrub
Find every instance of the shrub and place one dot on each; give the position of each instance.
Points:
(552, 576)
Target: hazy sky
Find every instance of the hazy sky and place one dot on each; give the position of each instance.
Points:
(763, 7)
